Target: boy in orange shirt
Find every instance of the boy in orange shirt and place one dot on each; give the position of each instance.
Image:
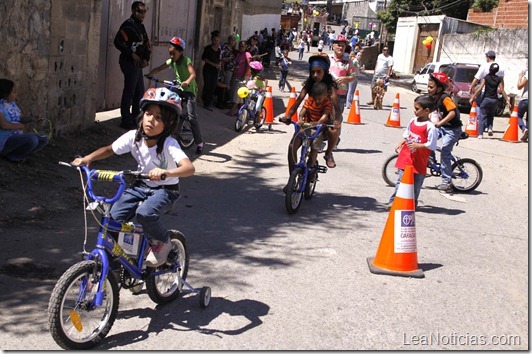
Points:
(317, 109)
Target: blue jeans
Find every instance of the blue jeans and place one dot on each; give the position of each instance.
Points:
(18, 147)
(487, 109)
(350, 93)
(522, 109)
(133, 91)
(418, 183)
(301, 51)
(193, 118)
(449, 137)
(283, 81)
(154, 203)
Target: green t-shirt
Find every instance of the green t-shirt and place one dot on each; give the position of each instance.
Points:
(182, 73)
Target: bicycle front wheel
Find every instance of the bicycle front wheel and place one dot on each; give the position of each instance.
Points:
(260, 118)
(390, 173)
(467, 175)
(184, 134)
(74, 321)
(166, 286)
(310, 186)
(294, 193)
(241, 119)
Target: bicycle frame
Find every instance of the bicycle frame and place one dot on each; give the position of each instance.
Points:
(106, 246)
(252, 96)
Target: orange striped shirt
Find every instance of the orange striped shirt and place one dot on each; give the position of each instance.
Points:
(315, 111)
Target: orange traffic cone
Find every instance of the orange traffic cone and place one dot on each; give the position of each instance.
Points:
(511, 133)
(268, 104)
(354, 112)
(291, 102)
(472, 124)
(394, 118)
(397, 252)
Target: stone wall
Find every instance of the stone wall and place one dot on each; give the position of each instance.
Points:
(509, 14)
(51, 52)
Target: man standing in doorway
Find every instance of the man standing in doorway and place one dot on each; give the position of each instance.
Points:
(383, 70)
(135, 50)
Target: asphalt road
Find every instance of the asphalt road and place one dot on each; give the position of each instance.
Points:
(301, 282)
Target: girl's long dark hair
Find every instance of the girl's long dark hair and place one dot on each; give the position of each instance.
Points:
(327, 80)
(169, 118)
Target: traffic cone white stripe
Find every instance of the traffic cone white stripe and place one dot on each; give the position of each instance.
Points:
(405, 191)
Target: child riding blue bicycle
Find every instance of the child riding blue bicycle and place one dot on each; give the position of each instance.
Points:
(159, 155)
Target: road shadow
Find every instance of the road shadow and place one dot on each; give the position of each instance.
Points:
(184, 315)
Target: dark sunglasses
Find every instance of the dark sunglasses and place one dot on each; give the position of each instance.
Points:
(141, 11)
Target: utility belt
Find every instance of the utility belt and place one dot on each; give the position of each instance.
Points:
(170, 187)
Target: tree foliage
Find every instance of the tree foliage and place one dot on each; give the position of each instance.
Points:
(408, 8)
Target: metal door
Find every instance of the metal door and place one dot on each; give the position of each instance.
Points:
(164, 20)
(423, 54)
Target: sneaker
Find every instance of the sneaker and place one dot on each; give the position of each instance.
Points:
(524, 138)
(480, 137)
(330, 160)
(313, 174)
(370, 103)
(199, 150)
(389, 205)
(490, 132)
(158, 253)
(444, 186)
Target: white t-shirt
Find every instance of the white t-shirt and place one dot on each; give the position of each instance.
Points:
(383, 63)
(147, 158)
(484, 70)
(320, 44)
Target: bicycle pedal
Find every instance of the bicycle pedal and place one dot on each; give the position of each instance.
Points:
(322, 169)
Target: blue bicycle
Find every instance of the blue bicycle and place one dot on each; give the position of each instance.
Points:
(249, 114)
(84, 302)
(303, 178)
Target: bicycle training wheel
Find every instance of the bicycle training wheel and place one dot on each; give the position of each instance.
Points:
(74, 321)
(310, 186)
(294, 193)
(466, 176)
(165, 287)
(241, 119)
(260, 118)
(183, 134)
(389, 171)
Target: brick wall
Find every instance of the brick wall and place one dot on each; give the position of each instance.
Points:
(509, 14)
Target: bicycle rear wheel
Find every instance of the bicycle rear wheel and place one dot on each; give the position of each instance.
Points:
(260, 118)
(467, 175)
(74, 322)
(294, 193)
(241, 119)
(390, 173)
(165, 287)
(184, 134)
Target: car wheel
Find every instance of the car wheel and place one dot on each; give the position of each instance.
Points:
(414, 86)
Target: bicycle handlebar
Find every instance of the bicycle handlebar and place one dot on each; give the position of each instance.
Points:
(174, 86)
(305, 126)
(108, 176)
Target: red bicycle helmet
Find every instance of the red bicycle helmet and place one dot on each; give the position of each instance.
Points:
(178, 41)
(441, 79)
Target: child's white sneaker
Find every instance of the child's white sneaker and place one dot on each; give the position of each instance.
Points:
(158, 253)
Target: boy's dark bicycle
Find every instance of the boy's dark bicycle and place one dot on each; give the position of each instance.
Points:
(466, 173)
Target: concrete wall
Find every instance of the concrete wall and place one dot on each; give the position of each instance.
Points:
(510, 45)
(50, 50)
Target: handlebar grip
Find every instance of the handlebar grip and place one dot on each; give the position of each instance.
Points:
(147, 176)
(285, 120)
(163, 176)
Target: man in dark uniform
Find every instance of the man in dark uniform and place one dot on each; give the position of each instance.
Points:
(135, 50)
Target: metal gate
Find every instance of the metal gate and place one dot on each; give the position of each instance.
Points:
(164, 20)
